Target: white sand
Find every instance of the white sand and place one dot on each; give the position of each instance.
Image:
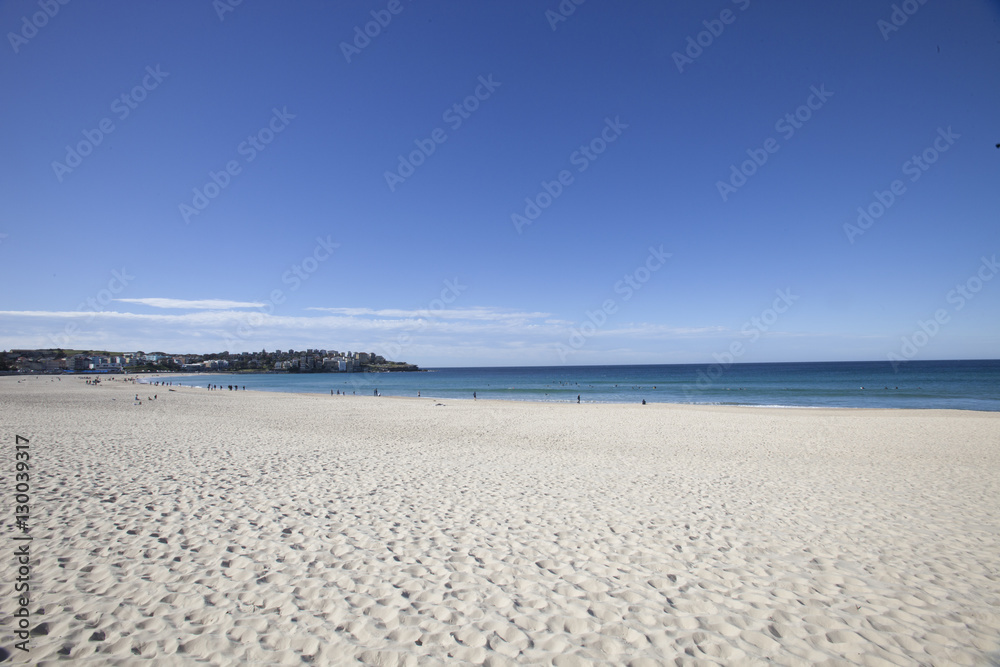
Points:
(243, 527)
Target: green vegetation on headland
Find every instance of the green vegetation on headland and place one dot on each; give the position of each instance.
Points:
(390, 367)
(290, 361)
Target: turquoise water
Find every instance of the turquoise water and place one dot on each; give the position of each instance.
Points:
(962, 385)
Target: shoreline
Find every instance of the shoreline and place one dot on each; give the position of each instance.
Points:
(648, 404)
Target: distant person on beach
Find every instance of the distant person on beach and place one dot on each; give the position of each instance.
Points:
(474, 396)
(644, 401)
(578, 398)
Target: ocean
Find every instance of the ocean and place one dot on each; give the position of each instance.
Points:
(960, 385)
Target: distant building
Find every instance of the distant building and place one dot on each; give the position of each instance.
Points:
(106, 366)
(28, 365)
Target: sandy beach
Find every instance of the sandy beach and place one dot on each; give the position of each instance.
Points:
(281, 529)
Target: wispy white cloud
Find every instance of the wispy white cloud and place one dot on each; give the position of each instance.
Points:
(647, 330)
(473, 321)
(472, 336)
(198, 304)
(481, 314)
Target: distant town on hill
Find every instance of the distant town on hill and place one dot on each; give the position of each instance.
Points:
(279, 361)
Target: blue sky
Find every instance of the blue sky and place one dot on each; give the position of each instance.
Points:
(649, 250)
